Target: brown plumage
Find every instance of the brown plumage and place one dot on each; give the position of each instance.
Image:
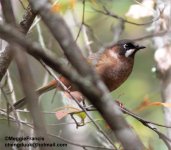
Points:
(114, 65)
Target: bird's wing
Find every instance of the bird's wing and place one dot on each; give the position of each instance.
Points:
(95, 59)
(92, 58)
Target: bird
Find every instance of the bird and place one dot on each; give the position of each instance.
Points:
(114, 65)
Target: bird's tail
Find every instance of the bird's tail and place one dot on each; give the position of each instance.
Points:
(50, 86)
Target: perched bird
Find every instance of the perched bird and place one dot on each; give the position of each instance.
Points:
(113, 65)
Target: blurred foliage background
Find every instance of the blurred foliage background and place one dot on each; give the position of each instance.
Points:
(141, 85)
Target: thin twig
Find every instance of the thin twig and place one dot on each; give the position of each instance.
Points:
(80, 145)
(11, 88)
(93, 35)
(22, 4)
(111, 14)
(151, 35)
(82, 21)
(86, 41)
(11, 105)
(163, 137)
(126, 111)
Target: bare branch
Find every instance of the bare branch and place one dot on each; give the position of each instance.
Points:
(111, 14)
(22, 4)
(82, 22)
(157, 34)
(7, 12)
(31, 97)
(5, 55)
(79, 145)
(11, 105)
(146, 123)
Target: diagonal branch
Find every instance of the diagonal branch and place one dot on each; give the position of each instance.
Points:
(113, 15)
(5, 55)
(146, 123)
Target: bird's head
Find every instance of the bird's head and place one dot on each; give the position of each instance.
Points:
(127, 48)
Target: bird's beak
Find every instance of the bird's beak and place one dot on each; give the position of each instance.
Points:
(138, 47)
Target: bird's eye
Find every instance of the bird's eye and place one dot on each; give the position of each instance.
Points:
(128, 46)
(125, 46)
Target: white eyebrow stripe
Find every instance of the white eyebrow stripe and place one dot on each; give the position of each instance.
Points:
(129, 52)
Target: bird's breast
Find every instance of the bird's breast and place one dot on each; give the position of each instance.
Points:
(114, 74)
